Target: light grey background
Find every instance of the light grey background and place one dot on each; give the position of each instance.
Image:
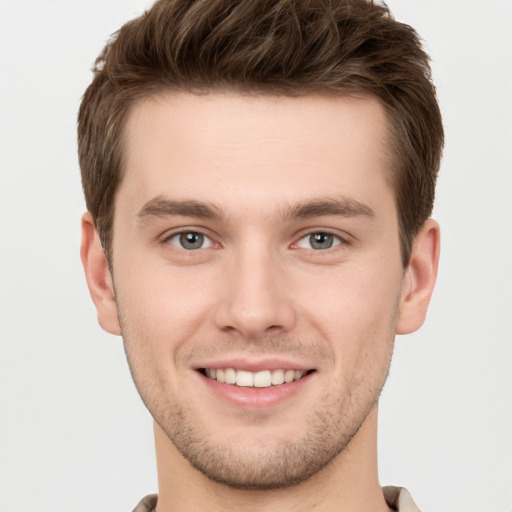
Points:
(73, 432)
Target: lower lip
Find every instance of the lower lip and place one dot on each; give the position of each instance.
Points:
(255, 398)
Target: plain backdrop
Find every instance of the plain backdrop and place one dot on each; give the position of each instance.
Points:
(74, 435)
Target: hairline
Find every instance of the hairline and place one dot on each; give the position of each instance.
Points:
(151, 92)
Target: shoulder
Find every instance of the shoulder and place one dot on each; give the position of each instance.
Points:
(147, 504)
(399, 499)
(396, 497)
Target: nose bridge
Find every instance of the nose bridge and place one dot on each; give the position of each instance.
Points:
(255, 300)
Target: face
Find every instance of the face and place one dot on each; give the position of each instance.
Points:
(257, 275)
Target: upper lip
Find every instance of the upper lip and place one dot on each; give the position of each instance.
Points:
(254, 365)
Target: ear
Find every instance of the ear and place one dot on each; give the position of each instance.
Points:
(419, 279)
(98, 276)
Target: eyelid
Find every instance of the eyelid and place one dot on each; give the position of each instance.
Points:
(169, 235)
(336, 241)
(342, 239)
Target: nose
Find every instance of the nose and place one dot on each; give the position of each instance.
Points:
(254, 298)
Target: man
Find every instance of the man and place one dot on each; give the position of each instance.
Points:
(259, 177)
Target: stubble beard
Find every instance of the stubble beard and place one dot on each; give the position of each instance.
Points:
(330, 426)
(261, 468)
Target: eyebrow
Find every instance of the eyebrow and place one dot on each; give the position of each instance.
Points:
(164, 207)
(338, 206)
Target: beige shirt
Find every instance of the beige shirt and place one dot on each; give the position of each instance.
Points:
(397, 498)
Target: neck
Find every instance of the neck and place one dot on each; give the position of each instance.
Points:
(348, 484)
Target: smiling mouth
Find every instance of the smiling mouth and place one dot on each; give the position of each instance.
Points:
(262, 379)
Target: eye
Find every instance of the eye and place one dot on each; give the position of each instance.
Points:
(319, 241)
(190, 241)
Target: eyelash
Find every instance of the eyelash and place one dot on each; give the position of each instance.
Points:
(168, 239)
(337, 240)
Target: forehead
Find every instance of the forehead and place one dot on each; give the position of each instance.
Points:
(287, 147)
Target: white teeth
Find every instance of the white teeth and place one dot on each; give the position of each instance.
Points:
(229, 376)
(245, 379)
(277, 377)
(263, 379)
(289, 375)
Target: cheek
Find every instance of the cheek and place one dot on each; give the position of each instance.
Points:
(162, 306)
(355, 310)
(159, 315)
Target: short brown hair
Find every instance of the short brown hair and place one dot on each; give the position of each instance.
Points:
(276, 47)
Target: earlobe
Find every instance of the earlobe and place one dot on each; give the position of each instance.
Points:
(419, 279)
(98, 276)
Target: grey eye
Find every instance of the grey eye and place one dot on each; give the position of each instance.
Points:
(190, 241)
(319, 241)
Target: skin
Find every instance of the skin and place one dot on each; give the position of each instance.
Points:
(257, 177)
